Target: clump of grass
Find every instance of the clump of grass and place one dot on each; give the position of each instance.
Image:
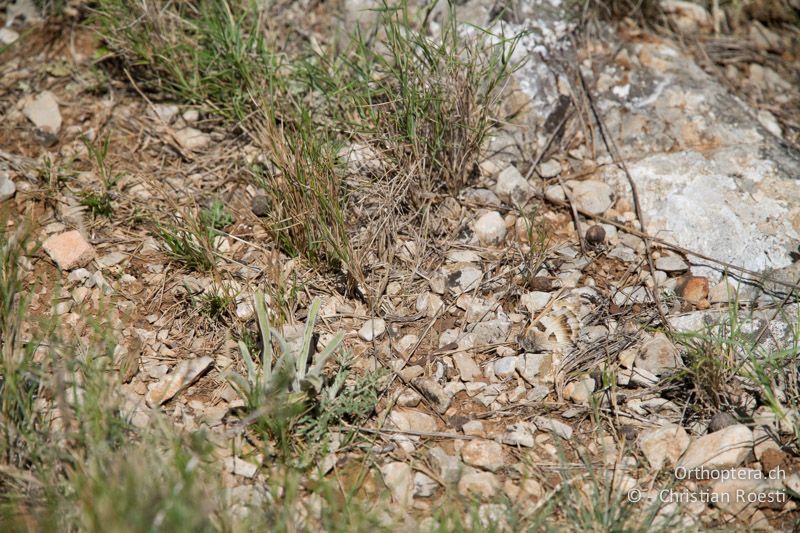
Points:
(191, 238)
(425, 103)
(99, 205)
(305, 188)
(537, 243)
(214, 306)
(733, 365)
(210, 53)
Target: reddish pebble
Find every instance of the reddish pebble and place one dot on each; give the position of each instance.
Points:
(693, 289)
(69, 250)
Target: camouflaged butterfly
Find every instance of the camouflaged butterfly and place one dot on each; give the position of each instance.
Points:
(559, 328)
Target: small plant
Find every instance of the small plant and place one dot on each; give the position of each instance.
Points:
(538, 243)
(214, 305)
(424, 102)
(99, 203)
(194, 249)
(289, 396)
(215, 217)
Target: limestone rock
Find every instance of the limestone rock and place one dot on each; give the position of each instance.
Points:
(183, 374)
(43, 112)
(490, 229)
(592, 196)
(722, 449)
(372, 329)
(664, 446)
(484, 454)
(69, 250)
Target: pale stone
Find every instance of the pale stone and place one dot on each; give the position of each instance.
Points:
(43, 112)
(192, 139)
(69, 250)
(490, 229)
(183, 374)
(398, 477)
(520, 434)
(664, 446)
(512, 187)
(485, 454)
(372, 329)
(725, 448)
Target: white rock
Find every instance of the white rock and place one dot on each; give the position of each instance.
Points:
(658, 356)
(435, 393)
(62, 308)
(109, 260)
(460, 277)
(579, 391)
(360, 157)
(592, 196)
(166, 112)
(664, 446)
(240, 467)
(512, 187)
(770, 123)
(183, 374)
(412, 420)
(191, 115)
(555, 193)
(398, 478)
(536, 367)
(671, 263)
(535, 300)
(447, 466)
(191, 138)
(372, 329)
(474, 428)
(409, 398)
(485, 454)
(480, 484)
(245, 310)
(7, 187)
(520, 434)
(722, 292)
(406, 343)
(725, 448)
(79, 274)
(688, 17)
(623, 253)
(43, 112)
(424, 486)
(505, 367)
(550, 169)
(476, 308)
(481, 197)
(553, 426)
(490, 229)
(467, 368)
(79, 294)
(8, 36)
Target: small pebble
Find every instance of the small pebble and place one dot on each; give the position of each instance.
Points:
(595, 234)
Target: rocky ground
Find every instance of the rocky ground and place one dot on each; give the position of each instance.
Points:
(601, 314)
